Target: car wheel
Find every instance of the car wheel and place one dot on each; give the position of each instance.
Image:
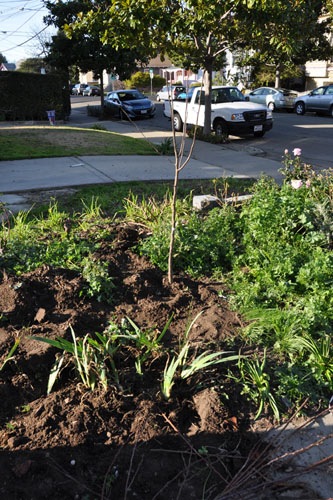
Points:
(300, 108)
(221, 129)
(177, 123)
(331, 111)
(271, 106)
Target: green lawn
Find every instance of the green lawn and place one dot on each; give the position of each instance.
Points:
(22, 142)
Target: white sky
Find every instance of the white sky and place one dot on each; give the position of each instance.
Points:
(20, 21)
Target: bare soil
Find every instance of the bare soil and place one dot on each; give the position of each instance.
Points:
(127, 442)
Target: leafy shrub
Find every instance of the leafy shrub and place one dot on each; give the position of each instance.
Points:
(141, 80)
(282, 240)
(275, 251)
(166, 146)
(203, 245)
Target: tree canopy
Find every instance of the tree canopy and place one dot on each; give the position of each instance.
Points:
(32, 65)
(197, 33)
(286, 33)
(84, 48)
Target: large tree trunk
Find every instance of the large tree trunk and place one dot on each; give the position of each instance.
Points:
(208, 102)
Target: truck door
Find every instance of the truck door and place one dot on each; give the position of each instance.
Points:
(196, 109)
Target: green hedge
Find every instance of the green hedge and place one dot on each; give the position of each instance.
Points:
(28, 96)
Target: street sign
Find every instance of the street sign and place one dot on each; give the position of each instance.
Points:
(151, 73)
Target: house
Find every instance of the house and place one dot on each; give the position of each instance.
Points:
(7, 67)
(171, 73)
(318, 73)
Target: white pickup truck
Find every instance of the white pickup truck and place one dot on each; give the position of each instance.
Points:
(231, 113)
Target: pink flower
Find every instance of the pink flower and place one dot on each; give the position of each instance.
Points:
(297, 152)
(286, 151)
(296, 183)
(308, 183)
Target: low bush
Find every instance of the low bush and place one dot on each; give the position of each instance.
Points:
(275, 253)
(212, 137)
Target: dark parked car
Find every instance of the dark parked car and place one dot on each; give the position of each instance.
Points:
(79, 88)
(319, 100)
(91, 90)
(169, 92)
(129, 104)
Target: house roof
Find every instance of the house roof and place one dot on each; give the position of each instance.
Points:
(7, 67)
(156, 62)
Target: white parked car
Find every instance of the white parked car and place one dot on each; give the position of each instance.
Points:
(169, 92)
(79, 88)
(91, 90)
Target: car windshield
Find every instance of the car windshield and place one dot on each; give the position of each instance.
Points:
(130, 96)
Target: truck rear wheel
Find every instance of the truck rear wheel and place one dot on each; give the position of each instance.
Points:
(177, 123)
(221, 129)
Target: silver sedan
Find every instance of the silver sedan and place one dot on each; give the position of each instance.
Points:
(273, 98)
(319, 100)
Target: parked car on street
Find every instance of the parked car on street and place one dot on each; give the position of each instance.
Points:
(79, 88)
(129, 104)
(169, 92)
(273, 98)
(183, 96)
(91, 90)
(319, 100)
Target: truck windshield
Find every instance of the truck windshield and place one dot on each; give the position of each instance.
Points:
(220, 95)
(230, 94)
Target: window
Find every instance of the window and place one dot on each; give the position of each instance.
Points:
(319, 91)
(200, 97)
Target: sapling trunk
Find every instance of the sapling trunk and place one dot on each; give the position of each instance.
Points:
(180, 163)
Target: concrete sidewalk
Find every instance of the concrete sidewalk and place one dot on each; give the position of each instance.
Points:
(208, 161)
(48, 173)
(54, 173)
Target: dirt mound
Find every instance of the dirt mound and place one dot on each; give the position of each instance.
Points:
(128, 441)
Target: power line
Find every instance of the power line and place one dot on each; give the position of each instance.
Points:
(26, 41)
(20, 9)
